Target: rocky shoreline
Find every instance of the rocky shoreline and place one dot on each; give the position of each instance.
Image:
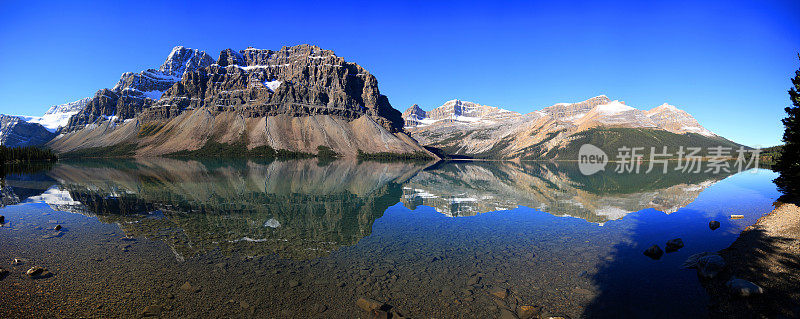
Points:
(767, 254)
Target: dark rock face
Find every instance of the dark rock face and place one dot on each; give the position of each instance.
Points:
(135, 92)
(413, 115)
(14, 132)
(298, 81)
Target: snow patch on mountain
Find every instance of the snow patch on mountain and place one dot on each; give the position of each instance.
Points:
(57, 115)
(272, 85)
(613, 108)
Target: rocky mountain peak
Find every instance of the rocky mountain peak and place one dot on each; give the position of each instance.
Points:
(230, 57)
(573, 111)
(181, 59)
(414, 110)
(457, 111)
(414, 115)
(664, 108)
(301, 80)
(673, 119)
(57, 116)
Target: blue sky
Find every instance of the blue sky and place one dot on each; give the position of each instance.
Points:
(728, 63)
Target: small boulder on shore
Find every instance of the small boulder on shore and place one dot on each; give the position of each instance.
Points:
(674, 245)
(743, 287)
(654, 252)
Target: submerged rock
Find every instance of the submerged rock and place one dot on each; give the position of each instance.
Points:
(743, 287)
(36, 271)
(713, 224)
(369, 304)
(3, 273)
(507, 314)
(187, 287)
(708, 264)
(526, 312)
(151, 311)
(501, 293)
(52, 235)
(654, 252)
(2, 219)
(673, 245)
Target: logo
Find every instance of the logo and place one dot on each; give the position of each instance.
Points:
(591, 159)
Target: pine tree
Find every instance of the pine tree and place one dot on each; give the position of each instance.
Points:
(788, 163)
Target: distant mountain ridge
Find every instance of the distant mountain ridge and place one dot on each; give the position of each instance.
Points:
(15, 132)
(491, 132)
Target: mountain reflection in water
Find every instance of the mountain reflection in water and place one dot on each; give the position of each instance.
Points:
(469, 188)
(305, 209)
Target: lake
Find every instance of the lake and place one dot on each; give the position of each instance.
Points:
(295, 239)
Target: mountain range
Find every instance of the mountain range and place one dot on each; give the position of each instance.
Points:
(474, 130)
(303, 99)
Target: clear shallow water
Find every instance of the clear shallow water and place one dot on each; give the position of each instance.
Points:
(306, 239)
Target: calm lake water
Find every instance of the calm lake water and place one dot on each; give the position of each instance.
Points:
(299, 239)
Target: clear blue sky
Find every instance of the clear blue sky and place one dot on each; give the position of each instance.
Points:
(728, 63)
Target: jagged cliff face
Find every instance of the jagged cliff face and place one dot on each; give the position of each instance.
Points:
(296, 98)
(497, 134)
(135, 92)
(15, 132)
(300, 80)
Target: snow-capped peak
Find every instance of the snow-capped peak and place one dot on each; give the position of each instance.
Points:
(58, 115)
(181, 59)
